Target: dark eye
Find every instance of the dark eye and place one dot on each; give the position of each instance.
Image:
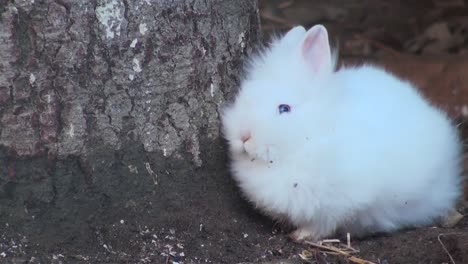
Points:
(284, 108)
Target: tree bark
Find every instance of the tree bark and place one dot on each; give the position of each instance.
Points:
(108, 107)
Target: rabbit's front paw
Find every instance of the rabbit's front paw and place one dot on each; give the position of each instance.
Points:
(301, 234)
(313, 232)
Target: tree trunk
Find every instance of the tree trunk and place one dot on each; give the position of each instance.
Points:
(109, 121)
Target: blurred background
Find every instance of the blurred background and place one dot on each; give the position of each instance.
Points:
(377, 27)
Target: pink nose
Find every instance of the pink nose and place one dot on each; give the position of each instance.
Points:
(245, 137)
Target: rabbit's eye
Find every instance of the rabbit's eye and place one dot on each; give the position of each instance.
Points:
(284, 108)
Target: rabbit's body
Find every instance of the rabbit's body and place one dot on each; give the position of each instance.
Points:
(364, 152)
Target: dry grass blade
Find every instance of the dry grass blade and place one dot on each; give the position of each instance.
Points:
(444, 247)
(338, 251)
(359, 260)
(329, 248)
(329, 241)
(348, 240)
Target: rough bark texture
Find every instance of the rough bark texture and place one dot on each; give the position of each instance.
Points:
(107, 109)
(75, 73)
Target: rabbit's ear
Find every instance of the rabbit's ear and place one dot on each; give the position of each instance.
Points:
(294, 36)
(315, 50)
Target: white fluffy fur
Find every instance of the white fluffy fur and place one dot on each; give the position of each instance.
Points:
(361, 150)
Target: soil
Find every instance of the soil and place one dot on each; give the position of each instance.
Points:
(203, 218)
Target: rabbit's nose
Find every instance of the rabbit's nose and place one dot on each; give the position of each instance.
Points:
(245, 137)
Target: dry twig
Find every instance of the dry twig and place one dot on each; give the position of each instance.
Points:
(338, 251)
(444, 247)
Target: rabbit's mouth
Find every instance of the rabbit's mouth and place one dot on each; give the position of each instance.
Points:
(264, 153)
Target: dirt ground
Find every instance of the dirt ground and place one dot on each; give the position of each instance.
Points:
(205, 220)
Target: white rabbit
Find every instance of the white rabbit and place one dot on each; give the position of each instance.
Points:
(355, 150)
